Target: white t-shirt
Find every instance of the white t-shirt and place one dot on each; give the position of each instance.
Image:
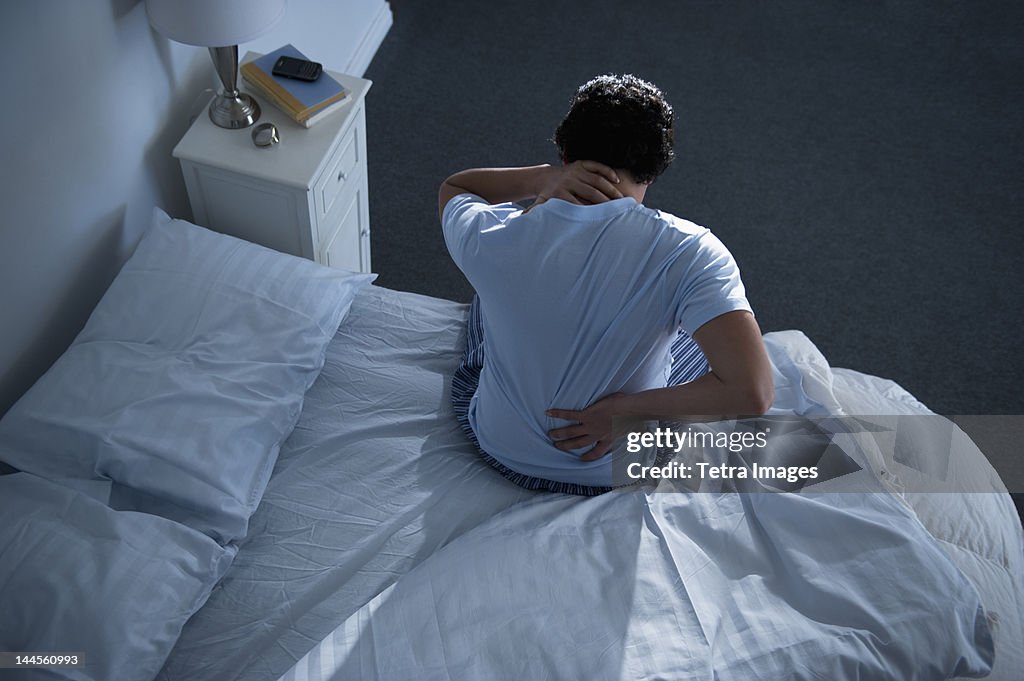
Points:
(578, 302)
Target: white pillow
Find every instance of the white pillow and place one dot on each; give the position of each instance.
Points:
(78, 577)
(187, 377)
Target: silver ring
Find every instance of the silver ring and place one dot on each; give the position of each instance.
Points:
(265, 135)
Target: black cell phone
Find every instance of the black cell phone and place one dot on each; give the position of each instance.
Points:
(299, 69)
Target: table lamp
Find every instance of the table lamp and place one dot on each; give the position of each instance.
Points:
(219, 25)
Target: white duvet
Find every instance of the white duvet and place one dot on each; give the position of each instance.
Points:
(672, 585)
(385, 549)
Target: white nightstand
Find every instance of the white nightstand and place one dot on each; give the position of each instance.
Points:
(305, 196)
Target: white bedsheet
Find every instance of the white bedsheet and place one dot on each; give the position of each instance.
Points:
(377, 477)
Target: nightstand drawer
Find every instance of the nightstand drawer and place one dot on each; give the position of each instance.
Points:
(340, 169)
(347, 245)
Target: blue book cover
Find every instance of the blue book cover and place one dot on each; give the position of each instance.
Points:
(310, 95)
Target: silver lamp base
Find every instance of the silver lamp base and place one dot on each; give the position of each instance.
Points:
(234, 110)
(231, 108)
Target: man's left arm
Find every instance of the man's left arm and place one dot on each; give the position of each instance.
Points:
(582, 182)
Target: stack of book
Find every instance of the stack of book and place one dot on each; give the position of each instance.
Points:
(306, 103)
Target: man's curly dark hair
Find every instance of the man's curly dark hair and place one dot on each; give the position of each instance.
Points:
(621, 121)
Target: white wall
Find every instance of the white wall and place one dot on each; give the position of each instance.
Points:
(93, 103)
(342, 34)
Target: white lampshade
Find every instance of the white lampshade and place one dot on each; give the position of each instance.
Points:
(219, 25)
(214, 23)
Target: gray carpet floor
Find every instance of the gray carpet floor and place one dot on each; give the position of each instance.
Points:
(863, 161)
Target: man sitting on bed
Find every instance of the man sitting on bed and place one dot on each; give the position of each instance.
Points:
(584, 299)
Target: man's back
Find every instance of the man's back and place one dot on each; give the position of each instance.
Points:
(578, 302)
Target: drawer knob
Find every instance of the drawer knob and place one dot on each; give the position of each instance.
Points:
(342, 175)
(365, 233)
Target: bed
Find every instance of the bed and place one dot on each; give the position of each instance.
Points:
(368, 540)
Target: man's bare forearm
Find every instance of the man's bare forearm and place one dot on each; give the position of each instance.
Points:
(496, 185)
(578, 182)
(708, 396)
